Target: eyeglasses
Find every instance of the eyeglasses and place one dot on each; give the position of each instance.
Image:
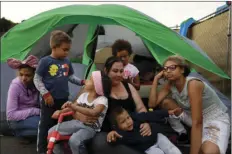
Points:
(171, 68)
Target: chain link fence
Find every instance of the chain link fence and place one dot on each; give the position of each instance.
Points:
(213, 35)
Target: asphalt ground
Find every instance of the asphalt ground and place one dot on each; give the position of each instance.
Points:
(12, 145)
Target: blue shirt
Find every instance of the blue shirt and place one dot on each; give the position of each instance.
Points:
(55, 75)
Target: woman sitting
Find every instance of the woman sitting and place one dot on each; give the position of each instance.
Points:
(124, 95)
(23, 99)
(202, 108)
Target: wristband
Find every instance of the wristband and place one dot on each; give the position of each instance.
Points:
(82, 82)
(45, 96)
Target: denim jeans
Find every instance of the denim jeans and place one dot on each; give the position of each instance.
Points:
(25, 128)
(163, 146)
(79, 134)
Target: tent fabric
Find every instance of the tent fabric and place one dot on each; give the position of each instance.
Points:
(42, 47)
(19, 41)
(88, 57)
(114, 32)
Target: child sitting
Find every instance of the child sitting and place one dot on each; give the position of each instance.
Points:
(127, 129)
(90, 103)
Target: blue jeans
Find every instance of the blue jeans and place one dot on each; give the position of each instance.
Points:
(25, 128)
(79, 133)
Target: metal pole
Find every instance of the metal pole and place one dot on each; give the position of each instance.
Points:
(228, 51)
(212, 14)
(228, 41)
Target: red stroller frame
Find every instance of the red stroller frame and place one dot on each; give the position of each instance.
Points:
(54, 136)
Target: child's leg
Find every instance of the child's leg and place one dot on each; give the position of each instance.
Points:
(45, 123)
(166, 146)
(177, 125)
(76, 129)
(170, 104)
(76, 142)
(68, 127)
(175, 122)
(186, 118)
(154, 150)
(27, 127)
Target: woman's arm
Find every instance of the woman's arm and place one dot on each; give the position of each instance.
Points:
(195, 89)
(13, 112)
(136, 82)
(154, 97)
(145, 128)
(57, 113)
(95, 112)
(83, 118)
(100, 103)
(154, 116)
(137, 99)
(87, 111)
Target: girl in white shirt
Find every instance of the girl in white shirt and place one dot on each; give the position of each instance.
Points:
(90, 103)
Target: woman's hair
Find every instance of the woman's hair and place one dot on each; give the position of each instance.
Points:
(120, 45)
(58, 37)
(106, 84)
(27, 66)
(109, 63)
(180, 62)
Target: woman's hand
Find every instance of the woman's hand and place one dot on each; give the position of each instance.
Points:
(85, 119)
(145, 129)
(159, 76)
(56, 114)
(112, 136)
(71, 106)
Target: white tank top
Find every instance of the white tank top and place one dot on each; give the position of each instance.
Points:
(212, 106)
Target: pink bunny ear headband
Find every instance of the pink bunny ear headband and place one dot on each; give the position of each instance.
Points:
(97, 79)
(31, 61)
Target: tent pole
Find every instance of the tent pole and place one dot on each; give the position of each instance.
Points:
(228, 41)
(228, 51)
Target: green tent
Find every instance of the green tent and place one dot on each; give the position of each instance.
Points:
(160, 41)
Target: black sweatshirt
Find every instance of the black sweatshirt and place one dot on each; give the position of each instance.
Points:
(134, 139)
